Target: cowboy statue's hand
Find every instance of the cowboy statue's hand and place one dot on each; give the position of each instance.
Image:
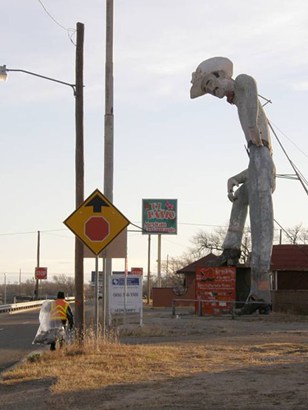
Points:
(232, 182)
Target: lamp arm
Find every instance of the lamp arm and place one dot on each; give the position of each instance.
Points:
(73, 86)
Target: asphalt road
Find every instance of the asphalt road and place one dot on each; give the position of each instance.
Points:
(17, 332)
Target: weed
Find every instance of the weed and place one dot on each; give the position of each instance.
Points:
(34, 358)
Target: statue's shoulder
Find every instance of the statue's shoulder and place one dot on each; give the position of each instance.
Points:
(245, 87)
(245, 80)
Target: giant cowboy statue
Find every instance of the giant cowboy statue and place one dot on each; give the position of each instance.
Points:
(255, 185)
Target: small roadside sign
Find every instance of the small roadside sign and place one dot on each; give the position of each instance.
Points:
(136, 271)
(40, 273)
(125, 294)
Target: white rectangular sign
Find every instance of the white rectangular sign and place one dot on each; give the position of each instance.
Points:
(132, 303)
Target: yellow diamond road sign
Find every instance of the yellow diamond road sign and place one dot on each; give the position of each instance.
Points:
(96, 222)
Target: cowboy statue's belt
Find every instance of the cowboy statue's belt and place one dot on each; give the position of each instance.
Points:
(264, 142)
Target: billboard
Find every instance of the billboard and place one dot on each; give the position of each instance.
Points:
(159, 216)
(215, 286)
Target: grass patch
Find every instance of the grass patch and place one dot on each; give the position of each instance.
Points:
(104, 362)
(34, 357)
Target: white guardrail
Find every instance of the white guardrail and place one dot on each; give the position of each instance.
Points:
(14, 307)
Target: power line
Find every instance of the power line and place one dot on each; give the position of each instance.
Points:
(70, 31)
(31, 232)
(289, 139)
(300, 177)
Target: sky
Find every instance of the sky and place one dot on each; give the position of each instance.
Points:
(165, 144)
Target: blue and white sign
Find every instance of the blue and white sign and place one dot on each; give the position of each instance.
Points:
(130, 281)
(125, 294)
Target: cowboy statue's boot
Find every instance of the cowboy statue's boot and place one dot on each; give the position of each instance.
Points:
(259, 298)
(254, 304)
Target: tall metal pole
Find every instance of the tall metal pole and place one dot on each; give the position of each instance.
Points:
(108, 140)
(104, 305)
(79, 169)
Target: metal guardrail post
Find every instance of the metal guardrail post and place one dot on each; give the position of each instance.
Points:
(173, 307)
(199, 307)
(233, 309)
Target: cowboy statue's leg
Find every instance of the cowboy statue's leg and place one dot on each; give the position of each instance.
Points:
(232, 242)
(261, 170)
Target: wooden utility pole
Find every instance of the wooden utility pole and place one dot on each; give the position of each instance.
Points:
(79, 169)
(36, 291)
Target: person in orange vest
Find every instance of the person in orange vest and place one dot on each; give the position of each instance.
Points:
(60, 314)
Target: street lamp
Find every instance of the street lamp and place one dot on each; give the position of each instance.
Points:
(4, 70)
(79, 166)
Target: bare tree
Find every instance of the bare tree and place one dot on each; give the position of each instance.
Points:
(297, 235)
(207, 242)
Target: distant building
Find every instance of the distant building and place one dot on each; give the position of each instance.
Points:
(289, 280)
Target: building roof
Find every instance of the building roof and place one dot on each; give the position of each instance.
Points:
(289, 257)
(200, 263)
(284, 257)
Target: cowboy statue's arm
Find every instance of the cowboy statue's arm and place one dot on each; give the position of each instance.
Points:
(236, 180)
(248, 108)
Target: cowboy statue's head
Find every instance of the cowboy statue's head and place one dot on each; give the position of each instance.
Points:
(211, 77)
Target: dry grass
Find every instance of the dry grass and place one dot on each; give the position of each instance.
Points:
(102, 363)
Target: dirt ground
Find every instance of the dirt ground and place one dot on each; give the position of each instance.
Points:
(254, 362)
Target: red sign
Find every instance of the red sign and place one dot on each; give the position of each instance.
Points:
(40, 273)
(136, 271)
(215, 286)
(96, 228)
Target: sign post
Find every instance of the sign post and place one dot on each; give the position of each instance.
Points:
(159, 216)
(96, 296)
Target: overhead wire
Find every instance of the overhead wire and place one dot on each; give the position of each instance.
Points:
(298, 174)
(70, 31)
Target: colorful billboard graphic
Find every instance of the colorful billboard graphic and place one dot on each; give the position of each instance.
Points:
(159, 216)
(215, 286)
